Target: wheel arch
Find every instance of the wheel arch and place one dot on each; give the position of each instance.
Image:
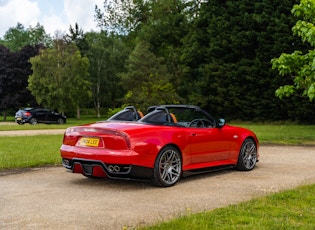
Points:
(252, 137)
(175, 146)
(171, 145)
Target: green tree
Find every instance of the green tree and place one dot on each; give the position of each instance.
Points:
(299, 66)
(147, 80)
(107, 54)
(18, 37)
(121, 16)
(227, 54)
(76, 35)
(162, 24)
(166, 24)
(60, 78)
(217, 53)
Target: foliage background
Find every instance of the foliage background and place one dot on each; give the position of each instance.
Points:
(215, 54)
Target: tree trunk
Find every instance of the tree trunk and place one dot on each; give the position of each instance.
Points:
(4, 115)
(98, 110)
(78, 113)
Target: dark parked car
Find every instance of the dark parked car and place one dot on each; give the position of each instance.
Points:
(38, 115)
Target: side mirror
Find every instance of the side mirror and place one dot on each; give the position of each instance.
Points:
(221, 123)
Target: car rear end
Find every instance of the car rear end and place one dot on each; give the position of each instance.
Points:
(23, 116)
(101, 152)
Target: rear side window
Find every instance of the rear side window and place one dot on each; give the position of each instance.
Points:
(159, 117)
(125, 115)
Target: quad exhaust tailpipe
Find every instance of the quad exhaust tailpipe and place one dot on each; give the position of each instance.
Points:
(113, 168)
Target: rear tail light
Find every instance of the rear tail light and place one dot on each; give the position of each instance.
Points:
(27, 114)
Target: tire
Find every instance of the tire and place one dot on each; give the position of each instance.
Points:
(167, 168)
(33, 121)
(248, 156)
(60, 121)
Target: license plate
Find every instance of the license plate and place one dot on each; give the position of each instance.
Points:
(19, 119)
(87, 141)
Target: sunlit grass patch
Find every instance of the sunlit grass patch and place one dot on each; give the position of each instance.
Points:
(292, 209)
(289, 134)
(29, 151)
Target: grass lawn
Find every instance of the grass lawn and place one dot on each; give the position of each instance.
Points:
(292, 209)
(29, 151)
(283, 133)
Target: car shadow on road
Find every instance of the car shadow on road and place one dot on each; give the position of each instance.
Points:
(204, 175)
(107, 183)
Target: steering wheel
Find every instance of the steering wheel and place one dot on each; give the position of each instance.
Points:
(197, 123)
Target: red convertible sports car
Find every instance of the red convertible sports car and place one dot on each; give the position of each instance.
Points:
(171, 141)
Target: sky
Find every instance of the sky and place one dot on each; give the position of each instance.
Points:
(54, 15)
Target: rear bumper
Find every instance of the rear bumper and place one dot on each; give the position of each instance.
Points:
(107, 156)
(96, 168)
(21, 120)
(100, 162)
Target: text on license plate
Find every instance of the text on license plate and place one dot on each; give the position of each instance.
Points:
(87, 141)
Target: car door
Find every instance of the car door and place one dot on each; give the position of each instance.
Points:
(50, 116)
(208, 144)
(40, 115)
